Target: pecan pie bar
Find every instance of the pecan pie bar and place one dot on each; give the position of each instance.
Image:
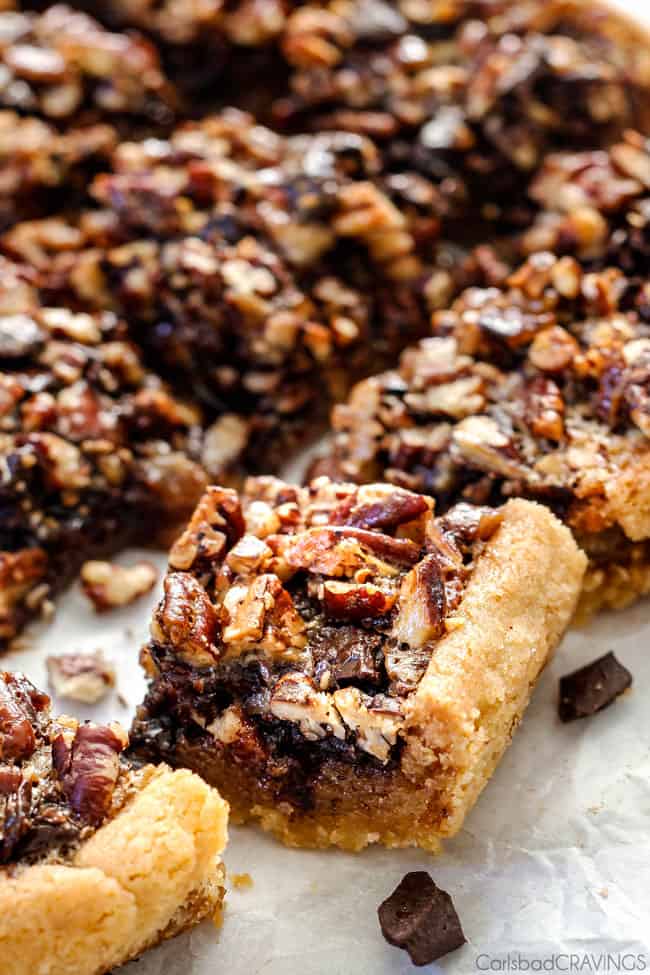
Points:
(595, 205)
(251, 23)
(94, 450)
(42, 169)
(539, 389)
(470, 91)
(262, 274)
(64, 66)
(347, 668)
(98, 860)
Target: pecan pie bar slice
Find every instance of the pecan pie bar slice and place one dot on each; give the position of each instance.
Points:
(595, 205)
(95, 452)
(262, 274)
(98, 860)
(63, 66)
(251, 23)
(347, 668)
(471, 92)
(539, 389)
(41, 168)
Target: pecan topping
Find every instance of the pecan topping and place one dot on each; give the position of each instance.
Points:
(422, 605)
(348, 608)
(296, 699)
(88, 769)
(187, 620)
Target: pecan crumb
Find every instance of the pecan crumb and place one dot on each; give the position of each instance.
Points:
(85, 677)
(108, 585)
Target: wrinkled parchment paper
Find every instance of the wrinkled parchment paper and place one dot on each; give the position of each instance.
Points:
(551, 872)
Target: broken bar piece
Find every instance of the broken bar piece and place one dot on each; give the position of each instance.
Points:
(98, 860)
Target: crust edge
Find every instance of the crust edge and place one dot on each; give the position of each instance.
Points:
(146, 875)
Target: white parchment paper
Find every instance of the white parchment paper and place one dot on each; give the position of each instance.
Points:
(551, 872)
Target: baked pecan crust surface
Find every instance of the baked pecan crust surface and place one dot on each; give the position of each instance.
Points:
(95, 452)
(536, 389)
(189, 287)
(296, 622)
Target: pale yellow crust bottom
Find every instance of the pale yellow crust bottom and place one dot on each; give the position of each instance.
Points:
(149, 873)
(520, 598)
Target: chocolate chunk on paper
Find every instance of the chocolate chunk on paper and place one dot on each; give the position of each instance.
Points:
(421, 918)
(592, 688)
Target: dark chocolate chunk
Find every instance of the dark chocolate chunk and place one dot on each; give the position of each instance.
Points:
(347, 653)
(421, 918)
(592, 688)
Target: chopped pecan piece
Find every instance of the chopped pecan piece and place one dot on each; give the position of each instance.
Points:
(467, 522)
(17, 712)
(21, 582)
(388, 512)
(187, 619)
(88, 769)
(341, 551)
(481, 443)
(405, 666)
(249, 554)
(260, 613)
(216, 523)
(20, 336)
(227, 727)
(553, 350)
(296, 699)
(108, 585)
(374, 721)
(422, 605)
(545, 409)
(356, 601)
(85, 677)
